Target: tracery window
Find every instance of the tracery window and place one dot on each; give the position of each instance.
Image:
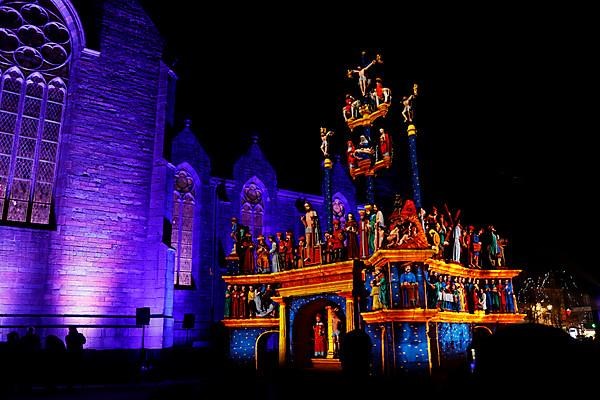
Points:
(182, 227)
(252, 207)
(35, 53)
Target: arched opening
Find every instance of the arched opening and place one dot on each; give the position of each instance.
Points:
(303, 331)
(267, 352)
(480, 335)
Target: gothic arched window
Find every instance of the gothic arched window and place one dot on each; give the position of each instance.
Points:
(183, 227)
(252, 206)
(35, 54)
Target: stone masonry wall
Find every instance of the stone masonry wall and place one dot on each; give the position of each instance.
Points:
(95, 267)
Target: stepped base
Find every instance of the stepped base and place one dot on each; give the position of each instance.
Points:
(326, 364)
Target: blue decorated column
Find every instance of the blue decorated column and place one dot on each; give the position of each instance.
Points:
(370, 178)
(327, 188)
(414, 165)
(370, 189)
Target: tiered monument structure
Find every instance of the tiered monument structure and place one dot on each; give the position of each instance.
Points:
(384, 278)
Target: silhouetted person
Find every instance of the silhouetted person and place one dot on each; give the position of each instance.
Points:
(75, 341)
(31, 342)
(355, 354)
(9, 367)
(54, 359)
(12, 340)
(28, 364)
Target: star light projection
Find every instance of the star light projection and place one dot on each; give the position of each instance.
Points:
(409, 351)
(454, 339)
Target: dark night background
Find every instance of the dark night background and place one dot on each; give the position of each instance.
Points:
(503, 124)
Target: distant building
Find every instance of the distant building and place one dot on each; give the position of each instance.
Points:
(556, 298)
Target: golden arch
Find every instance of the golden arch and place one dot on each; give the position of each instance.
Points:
(484, 327)
(256, 345)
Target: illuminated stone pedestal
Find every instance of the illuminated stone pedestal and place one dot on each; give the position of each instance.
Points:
(419, 341)
(417, 347)
(398, 347)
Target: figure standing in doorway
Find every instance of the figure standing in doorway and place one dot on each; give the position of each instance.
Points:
(320, 347)
(336, 324)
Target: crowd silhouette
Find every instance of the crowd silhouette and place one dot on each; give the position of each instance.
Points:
(27, 360)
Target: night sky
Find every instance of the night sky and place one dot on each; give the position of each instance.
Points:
(504, 128)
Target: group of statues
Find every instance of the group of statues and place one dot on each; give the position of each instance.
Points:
(280, 253)
(442, 292)
(362, 235)
(371, 98)
(364, 152)
(380, 289)
(250, 301)
(471, 247)
(380, 297)
(368, 149)
(461, 294)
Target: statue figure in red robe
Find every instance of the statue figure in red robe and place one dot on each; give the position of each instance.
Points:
(247, 247)
(320, 337)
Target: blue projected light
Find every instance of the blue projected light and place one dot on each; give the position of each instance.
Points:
(454, 339)
(407, 342)
(414, 166)
(328, 199)
(374, 332)
(411, 347)
(368, 279)
(241, 348)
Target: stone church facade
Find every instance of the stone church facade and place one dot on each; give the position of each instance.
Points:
(95, 221)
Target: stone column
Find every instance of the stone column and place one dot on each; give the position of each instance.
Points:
(330, 312)
(350, 314)
(283, 316)
(327, 189)
(414, 164)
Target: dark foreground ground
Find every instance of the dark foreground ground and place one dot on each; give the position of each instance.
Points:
(304, 385)
(524, 362)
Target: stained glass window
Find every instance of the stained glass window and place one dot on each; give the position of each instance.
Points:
(35, 54)
(182, 227)
(252, 206)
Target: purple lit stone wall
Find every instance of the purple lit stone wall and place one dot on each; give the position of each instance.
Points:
(104, 258)
(106, 255)
(188, 154)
